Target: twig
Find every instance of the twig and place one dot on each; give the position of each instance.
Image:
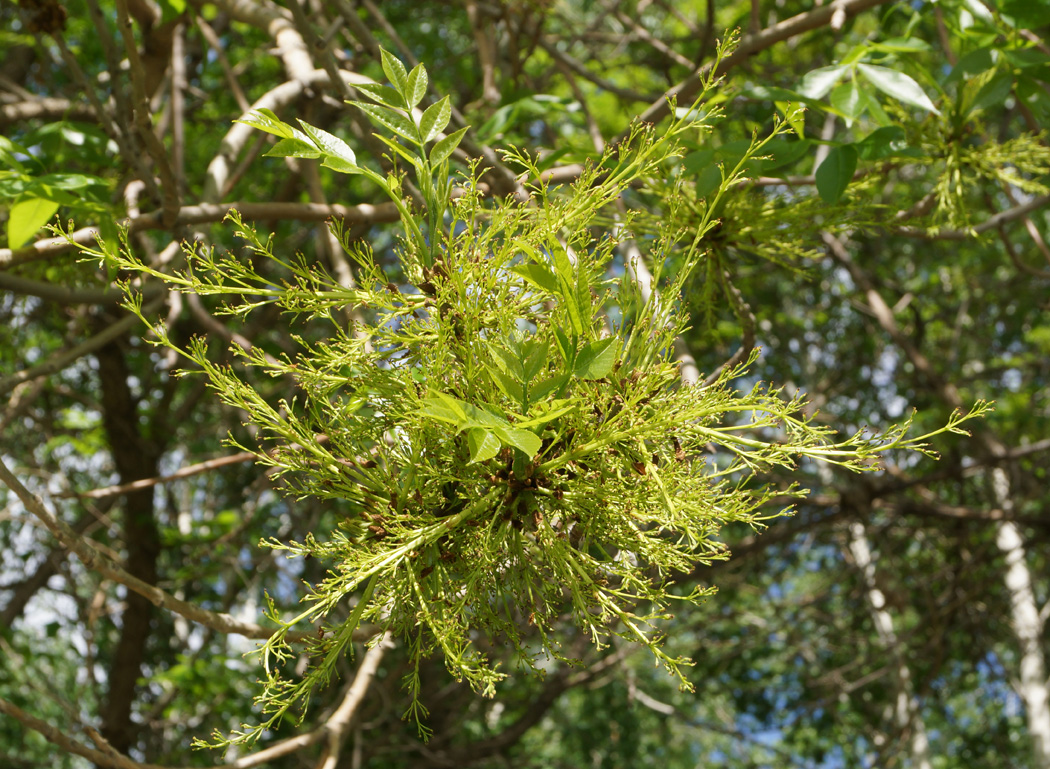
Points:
(340, 721)
(185, 472)
(750, 45)
(143, 118)
(55, 293)
(63, 358)
(744, 314)
(991, 223)
(220, 54)
(586, 74)
(96, 561)
(365, 213)
(655, 43)
(334, 728)
(48, 108)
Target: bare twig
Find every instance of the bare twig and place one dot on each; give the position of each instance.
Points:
(143, 118)
(816, 18)
(48, 108)
(53, 292)
(343, 717)
(96, 561)
(63, 358)
(364, 213)
(334, 728)
(654, 42)
(145, 483)
(220, 54)
(991, 223)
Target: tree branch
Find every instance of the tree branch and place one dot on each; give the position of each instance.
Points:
(820, 16)
(96, 561)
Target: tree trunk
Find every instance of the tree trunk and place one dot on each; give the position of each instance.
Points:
(906, 708)
(135, 458)
(1026, 622)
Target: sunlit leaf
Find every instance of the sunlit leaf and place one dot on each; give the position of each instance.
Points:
(898, 85)
(26, 217)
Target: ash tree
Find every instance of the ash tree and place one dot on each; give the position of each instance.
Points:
(498, 419)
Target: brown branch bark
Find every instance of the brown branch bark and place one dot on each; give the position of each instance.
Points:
(92, 557)
(135, 457)
(24, 590)
(821, 16)
(46, 108)
(63, 358)
(364, 213)
(106, 755)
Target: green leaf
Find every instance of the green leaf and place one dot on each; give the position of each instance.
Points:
(1028, 14)
(698, 160)
(340, 165)
(836, 172)
(445, 408)
(383, 94)
(848, 99)
(70, 181)
(171, 9)
(816, 84)
(541, 390)
(993, 93)
(1025, 58)
(534, 353)
(509, 361)
(295, 148)
(708, 181)
(330, 145)
(446, 147)
(395, 71)
(538, 275)
(521, 439)
(566, 275)
(416, 87)
(510, 386)
(265, 120)
(26, 217)
(567, 350)
(483, 445)
(596, 360)
(434, 119)
(555, 409)
(898, 85)
(973, 63)
(882, 143)
(8, 150)
(784, 153)
(901, 45)
(390, 119)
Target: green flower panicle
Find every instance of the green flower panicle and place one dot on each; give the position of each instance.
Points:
(503, 424)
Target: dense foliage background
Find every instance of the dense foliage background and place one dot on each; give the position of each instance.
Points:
(887, 254)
